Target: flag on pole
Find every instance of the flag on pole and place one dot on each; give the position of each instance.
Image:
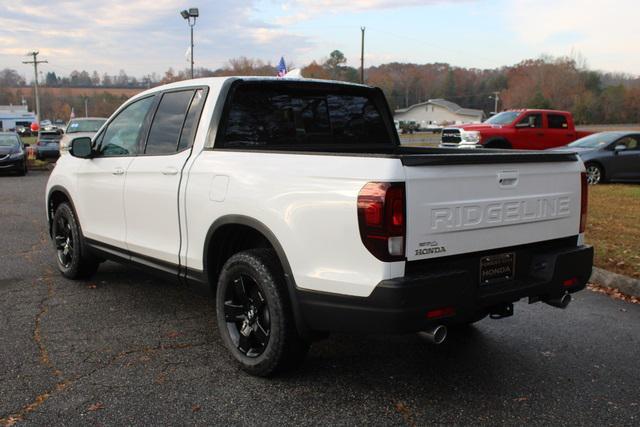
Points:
(187, 55)
(73, 114)
(282, 67)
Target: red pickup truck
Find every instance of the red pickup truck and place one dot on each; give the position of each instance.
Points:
(520, 129)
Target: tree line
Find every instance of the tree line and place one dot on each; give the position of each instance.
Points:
(559, 83)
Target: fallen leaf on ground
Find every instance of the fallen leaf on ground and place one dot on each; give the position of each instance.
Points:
(96, 407)
(195, 408)
(613, 293)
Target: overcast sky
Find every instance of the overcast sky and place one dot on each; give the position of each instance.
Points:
(144, 36)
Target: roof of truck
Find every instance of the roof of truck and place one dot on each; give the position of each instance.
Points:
(219, 81)
(537, 110)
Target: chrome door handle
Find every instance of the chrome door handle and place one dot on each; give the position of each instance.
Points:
(118, 171)
(170, 171)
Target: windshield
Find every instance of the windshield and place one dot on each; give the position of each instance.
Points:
(85, 125)
(8, 141)
(594, 141)
(504, 118)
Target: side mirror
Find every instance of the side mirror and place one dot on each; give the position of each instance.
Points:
(619, 148)
(81, 147)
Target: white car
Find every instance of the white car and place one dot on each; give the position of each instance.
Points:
(84, 126)
(294, 201)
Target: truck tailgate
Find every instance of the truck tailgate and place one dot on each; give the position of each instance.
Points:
(475, 207)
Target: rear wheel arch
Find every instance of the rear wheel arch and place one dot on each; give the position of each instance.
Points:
(225, 238)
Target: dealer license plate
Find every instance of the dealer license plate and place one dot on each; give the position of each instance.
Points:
(497, 268)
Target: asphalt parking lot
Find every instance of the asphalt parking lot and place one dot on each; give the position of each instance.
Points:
(125, 348)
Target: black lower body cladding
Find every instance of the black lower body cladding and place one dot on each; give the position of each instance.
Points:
(542, 271)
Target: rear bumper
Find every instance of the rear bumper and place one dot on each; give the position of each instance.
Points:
(48, 154)
(401, 305)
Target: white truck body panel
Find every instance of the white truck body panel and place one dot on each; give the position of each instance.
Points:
(309, 205)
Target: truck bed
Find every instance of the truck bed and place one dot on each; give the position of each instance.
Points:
(425, 156)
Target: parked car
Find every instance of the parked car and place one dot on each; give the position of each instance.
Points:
(86, 126)
(48, 145)
(609, 156)
(296, 203)
(23, 131)
(59, 124)
(13, 155)
(519, 129)
(46, 124)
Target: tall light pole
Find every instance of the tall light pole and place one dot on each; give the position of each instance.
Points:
(35, 63)
(362, 56)
(191, 15)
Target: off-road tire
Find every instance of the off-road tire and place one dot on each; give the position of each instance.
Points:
(284, 348)
(76, 263)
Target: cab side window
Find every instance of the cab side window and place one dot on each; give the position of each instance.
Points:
(122, 134)
(628, 141)
(532, 120)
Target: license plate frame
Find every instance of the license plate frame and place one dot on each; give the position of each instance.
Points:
(497, 268)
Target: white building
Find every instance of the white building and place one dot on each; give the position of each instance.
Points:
(438, 112)
(12, 116)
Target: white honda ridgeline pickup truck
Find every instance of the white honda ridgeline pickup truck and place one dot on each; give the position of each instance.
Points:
(295, 202)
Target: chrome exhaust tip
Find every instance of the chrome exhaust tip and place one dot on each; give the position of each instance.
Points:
(559, 302)
(435, 335)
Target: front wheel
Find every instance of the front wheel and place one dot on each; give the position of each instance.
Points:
(72, 259)
(595, 174)
(254, 314)
(24, 170)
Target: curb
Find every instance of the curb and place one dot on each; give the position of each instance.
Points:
(625, 284)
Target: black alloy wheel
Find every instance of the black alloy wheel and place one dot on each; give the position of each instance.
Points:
(63, 239)
(73, 259)
(254, 314)
(247, 315)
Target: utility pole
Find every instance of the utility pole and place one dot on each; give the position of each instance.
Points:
(362, 56)
(35, 63)
(496, 98)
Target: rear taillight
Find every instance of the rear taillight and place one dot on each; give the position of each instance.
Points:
(381, 217)
(584, 202)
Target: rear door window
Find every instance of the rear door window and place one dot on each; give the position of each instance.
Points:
(272, 115)
(192, 120)
(557, 121)
(167, 123)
